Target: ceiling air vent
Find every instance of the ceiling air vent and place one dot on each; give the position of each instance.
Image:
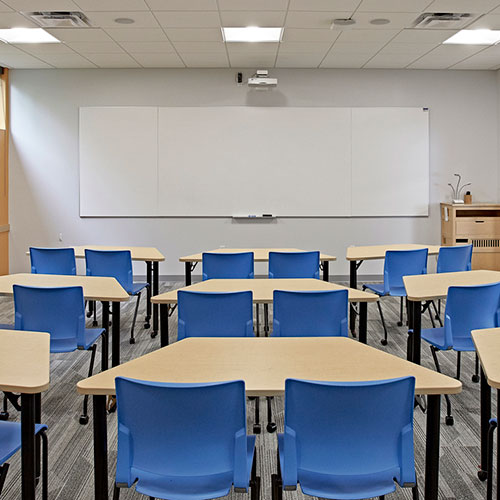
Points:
(443, 20)
(59, 19)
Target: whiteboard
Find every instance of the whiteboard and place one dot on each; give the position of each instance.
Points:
(226, 161)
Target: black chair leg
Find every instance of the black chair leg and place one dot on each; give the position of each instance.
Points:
(414, 492)
(384, 340)
(254, 480)
(489, 456)
(45, 465)
(91, 308)
(381, 497)
(459, 362)
(266, 320)
(437, 312)
(256, 425)
(84, 418)
(94, 323)
(116, 493)
(475, 377)
(277, 482)
(257, 320)
(400, 322)
(132, 339)
(271, 426)
(428, 307)
(449, 417)
(3, 474)
(4, 414)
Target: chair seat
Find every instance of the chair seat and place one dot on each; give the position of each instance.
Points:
(137, 287)
(10, 438)
(435, 337)
(342, 487)
(190, 487)
(378, 288)
(68, 345)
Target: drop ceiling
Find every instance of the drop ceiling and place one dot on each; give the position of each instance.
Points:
(187, 33)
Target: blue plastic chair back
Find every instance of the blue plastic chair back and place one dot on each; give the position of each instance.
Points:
(214, 314)
(470, 308)
(342, 437)
(238, 265)
(111, 263)
(294, 265)
(399, 263)
(57, 311)
(182, 432)
(53, 261)
(310, 314)
(454, 259)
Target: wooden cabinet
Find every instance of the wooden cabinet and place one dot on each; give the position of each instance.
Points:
(479, 224)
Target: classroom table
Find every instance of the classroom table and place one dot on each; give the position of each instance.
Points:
(424, 287)
(357, 255)
(259, 255)
(487, 344)
(262, 290)
(152, 257)
(104, 290)
(25, 368)
(266, 364)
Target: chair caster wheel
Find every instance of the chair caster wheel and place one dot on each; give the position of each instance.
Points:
(147, 325)
(84, 419)
(132, 341)
(400, 323)
(271, 427)
(4, 415)
(154, 334)
(89, 314)
(94, 323)
(475, 378)
(482, 475)
(383, 342)
(449, 420)
(256, 428)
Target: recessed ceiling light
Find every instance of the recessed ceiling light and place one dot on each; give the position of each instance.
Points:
(27, 35)
(380, 21)
(340, 21)
(124, 20)
(252, 34)
(475, 37)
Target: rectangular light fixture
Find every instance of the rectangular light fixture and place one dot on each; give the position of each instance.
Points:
(252, 34)
(27, 35)
(475, 37)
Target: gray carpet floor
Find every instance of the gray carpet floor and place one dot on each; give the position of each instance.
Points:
(70, 444)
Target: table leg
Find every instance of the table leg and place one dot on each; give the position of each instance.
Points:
(485, 423)
(115, 334)
(100, 448)
(326, 270)
(187, 267)
(38, 419)
(363, 321)
(353, 283)
(149, 291)
(416, 341)
(164, 310)
(498, 450)
(156, 279)
(105, 342)
(432, 447)
(28, 446)
(266, 320)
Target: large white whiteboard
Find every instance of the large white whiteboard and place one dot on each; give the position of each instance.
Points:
(225, 161)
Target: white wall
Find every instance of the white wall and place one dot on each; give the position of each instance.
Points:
(44, 154)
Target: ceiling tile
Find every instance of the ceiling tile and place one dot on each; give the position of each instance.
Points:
(182, 4)
(175, 19)
(357, 47)
(96, 47)
(253, 18)
(390, 61)
(496, 11)
(366, 35)
(147, 47)
(476, 6)
(478, 61)
(15, 20)
(423, 36)
(303, 60)
(305, 47)
(200, 47)
(418, 49)
(4, 7)
(170, 60)
(310, 35)
(335, 60)
(107, 19)
(36, 5)
(489, 21)
(80, 34)
(205, 60)
(22, 61)
(313, 19)
(398, 20)
(249, 60)
(252, 48)
(324, 5)
(6, 48)
(67, 61)
(194, 35)
(445, 56)
(113, 60)
(253, 4)
(393, 5)
(112, 5)
(45, 48)
(137, 34)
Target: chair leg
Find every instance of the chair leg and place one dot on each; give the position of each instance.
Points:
(116, 493)
(430, 314)
(91, 305)
(4, 414)
(94, 323)
(271, 426)
(254, 480)
(266, 320)
(256, 425)
(459, 359)
(449, 417)
(414, 492)
(437, 312)
(132, 339)
(276, 482)
(400, 322)
(257, 320)
(384, 340)
(475, 377)
(3, 474)
(84, 418)
(381, 497)
(45, 465)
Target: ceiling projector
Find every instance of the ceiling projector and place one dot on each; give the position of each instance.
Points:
(261, 80)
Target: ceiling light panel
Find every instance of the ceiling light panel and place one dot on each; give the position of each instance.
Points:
(252, 34)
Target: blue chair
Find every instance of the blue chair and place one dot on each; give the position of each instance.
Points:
(398, 263)
(467, 308)
(310, 314)
(238, 265)
(294, 265)
(116, 264)
(53, 261)
(61, 313)
(10, 443)
(213, 314)
(341, 442)
(188, 442)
